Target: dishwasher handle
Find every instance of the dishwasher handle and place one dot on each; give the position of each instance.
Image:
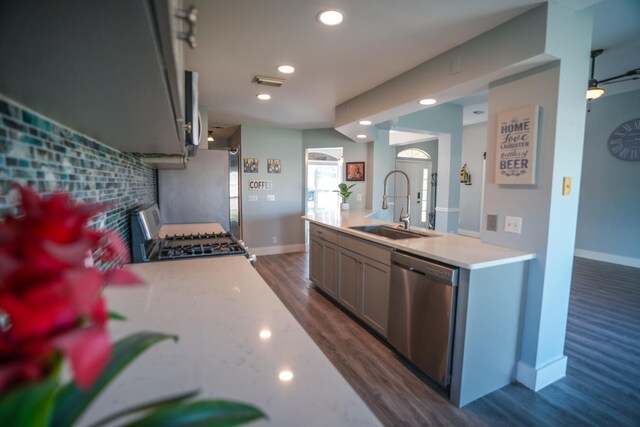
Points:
(447, 275)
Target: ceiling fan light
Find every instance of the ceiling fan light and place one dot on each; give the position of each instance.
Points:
(594, 92)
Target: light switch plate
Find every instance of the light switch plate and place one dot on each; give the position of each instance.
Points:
(359, 197)
(513, 224)
(566, 185)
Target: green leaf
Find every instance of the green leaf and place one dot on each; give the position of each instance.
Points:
(210, 413)
(30, 406)
(116, 316)
(72, 401)
(145, 406)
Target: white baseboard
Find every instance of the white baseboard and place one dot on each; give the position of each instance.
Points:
(613, 259)
(275, 250)
(468, 233)
(537, 379)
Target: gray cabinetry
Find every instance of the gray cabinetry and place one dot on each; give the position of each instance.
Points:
(110, 70)
(364, 280)
(349, 279)
(323, 268)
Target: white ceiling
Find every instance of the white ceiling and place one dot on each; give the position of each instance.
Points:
(378, 40)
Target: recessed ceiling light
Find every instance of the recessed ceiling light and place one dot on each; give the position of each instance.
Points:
(330, 17)
(427, 101)
(364, 122)
(263, 96)
(286, 69)
(361, 136)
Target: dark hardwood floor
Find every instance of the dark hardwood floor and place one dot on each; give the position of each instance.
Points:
(602, 386)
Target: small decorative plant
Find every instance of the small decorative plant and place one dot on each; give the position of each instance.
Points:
(52, 310)
(344, 191)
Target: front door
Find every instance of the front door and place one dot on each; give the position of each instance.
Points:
(419, 172)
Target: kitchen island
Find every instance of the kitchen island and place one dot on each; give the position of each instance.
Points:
(235, 339)
(461, 251)
(354, 268)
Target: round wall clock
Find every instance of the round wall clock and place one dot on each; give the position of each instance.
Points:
(624, 142)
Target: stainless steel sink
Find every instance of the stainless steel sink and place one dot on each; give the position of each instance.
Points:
(389, 232)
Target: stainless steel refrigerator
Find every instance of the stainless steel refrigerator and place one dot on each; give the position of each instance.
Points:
(208, 190)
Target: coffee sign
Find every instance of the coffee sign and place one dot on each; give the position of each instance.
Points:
(517, 140)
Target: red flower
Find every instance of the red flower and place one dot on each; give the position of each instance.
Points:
(49, 301)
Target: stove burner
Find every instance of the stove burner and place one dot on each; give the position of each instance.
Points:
(195, 245)
(195, 236)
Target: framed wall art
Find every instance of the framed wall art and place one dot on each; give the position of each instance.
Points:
(516, 145)
(355, 171)
(274, 166)
(250, 165)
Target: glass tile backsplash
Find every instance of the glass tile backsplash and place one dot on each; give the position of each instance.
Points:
(49, 157)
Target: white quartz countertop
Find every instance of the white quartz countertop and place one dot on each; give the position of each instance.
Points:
(219, 307)
(460, 251)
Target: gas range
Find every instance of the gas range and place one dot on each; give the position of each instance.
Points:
(196, 245)
(147, 246)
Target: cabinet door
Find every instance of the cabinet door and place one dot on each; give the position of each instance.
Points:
(330, 270)
(316, 264)
(376, 280)
(349, 275)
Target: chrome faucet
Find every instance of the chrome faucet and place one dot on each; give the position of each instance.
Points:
(404, 217)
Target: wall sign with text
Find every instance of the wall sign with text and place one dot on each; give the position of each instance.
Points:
(516, 144)
(260, 185)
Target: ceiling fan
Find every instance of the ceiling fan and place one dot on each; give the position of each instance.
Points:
(595, 91)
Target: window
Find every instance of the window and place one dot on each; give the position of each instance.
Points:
(414, 153)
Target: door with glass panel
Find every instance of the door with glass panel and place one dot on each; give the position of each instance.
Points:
(419, 171)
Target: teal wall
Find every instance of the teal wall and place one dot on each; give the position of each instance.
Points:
(608, 221)
(265, 220)
(446, 120)
(474, 144)
(549, 218)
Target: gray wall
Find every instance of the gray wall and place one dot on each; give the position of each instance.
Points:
(351, 152)
(50, 157)
(608, 221)
(474, 144)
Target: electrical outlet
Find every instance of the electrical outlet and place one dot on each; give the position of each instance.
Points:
(513, 224)
(271, 197)
(253, 197)
(492, 222)
(359, 197)
(275, 239)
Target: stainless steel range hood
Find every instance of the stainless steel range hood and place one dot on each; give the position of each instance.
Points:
(165, 161)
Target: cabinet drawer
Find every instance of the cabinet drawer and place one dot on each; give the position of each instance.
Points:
(323, 233)
(366, 248)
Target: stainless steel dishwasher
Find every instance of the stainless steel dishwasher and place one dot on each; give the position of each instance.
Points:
(421, 313)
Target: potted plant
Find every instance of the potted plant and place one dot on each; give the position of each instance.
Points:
(344, 195)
